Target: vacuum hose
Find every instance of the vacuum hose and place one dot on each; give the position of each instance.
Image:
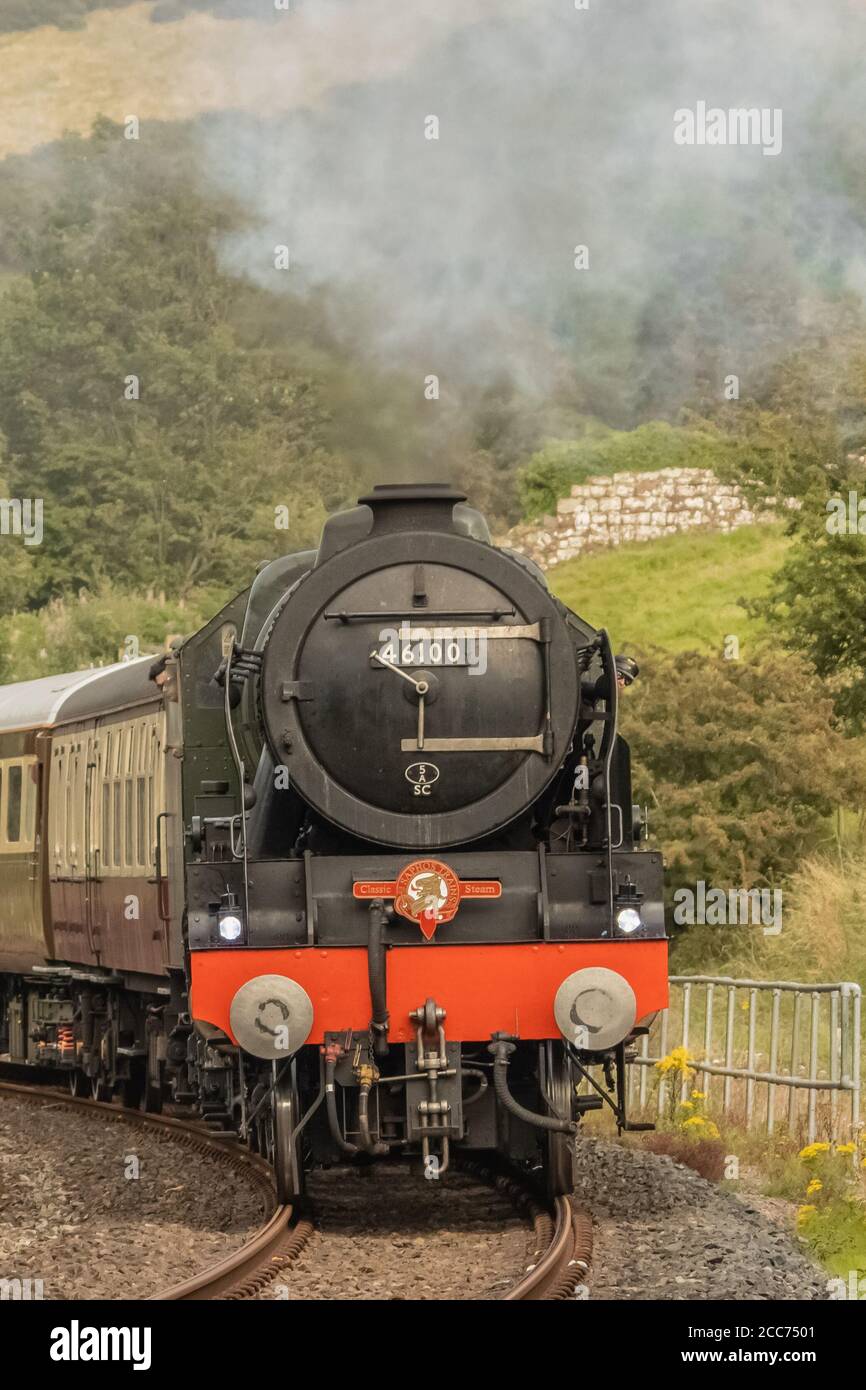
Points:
(367, 1076)
(331, 1106)
(502, 1047)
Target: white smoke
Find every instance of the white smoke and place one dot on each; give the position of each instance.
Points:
(555, 130)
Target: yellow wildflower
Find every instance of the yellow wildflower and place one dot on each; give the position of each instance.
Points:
(687, 1104)
(812, 1151)
(699, 1095)
(694, 1120)
(803, 1214)
(678, 1061)
(814, 1186)
(712, 1131)
(845, 1148)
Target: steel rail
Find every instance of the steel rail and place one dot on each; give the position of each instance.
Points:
(562, 1256)
(245, 1271)
(557, 1270)
(560, 1262)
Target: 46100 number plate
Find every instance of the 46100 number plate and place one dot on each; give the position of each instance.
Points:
(435, 648)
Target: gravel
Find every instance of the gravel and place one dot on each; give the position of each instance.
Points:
(383, 1232)
(660, 1230)
(664, 1232)
(72, 1214)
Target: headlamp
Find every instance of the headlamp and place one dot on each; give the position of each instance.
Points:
(230, 922)
(628, 920)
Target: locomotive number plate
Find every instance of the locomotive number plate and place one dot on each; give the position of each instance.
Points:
(435, 647)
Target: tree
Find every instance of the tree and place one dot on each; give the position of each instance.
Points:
(741, 763)
(161, 438)
(802, 450)
(599, 451)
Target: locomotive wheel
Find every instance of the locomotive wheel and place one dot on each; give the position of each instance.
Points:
(559, 1094)
(100, 1089)
(139, 1093)
(151, 1096)
(288, 1163)
(131, 1091)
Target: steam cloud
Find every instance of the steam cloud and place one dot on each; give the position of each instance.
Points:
(556, 129)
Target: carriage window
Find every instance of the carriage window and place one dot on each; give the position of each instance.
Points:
(127, 811)
(116, 831)
(141, 788)
(57, 805)
(71, 809)
(106, 823)
(68, 822)
(150, 814)
(13, 806)
(30, 804)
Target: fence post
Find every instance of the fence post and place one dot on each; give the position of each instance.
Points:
(750, 1084)
(835, 1043)
(663, 1044)
(813, 1061)
(706, 1077)
(729, 1044)
(855, 1094)
(843, 1062)
(774, 1060)
(687, 1004)
(795, 1062)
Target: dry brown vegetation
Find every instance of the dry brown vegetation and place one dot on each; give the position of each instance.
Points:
(122, 64)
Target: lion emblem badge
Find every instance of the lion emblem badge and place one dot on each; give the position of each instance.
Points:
(427, 892)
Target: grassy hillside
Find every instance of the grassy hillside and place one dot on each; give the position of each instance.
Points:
(681, 592)
(116, 60)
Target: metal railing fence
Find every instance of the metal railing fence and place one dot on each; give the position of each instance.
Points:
(766, 1041)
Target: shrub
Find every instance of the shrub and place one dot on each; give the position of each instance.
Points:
(741, 763)
(599, 452)
(705, 1156)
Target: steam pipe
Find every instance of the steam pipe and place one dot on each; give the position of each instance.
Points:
(376, 972)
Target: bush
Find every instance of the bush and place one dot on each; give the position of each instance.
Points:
(73, 634)
(63, 14)
(705, 1156)
(599, 452)
(741, 763)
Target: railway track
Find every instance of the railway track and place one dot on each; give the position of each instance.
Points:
(557, 1267)
(563, 1257)
(247, 1269)
(562, 1254)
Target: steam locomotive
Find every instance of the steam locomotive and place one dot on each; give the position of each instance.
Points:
(354, 870)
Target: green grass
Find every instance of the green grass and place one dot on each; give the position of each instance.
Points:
(681, 592)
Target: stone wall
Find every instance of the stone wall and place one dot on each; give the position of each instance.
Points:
(607, 511)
